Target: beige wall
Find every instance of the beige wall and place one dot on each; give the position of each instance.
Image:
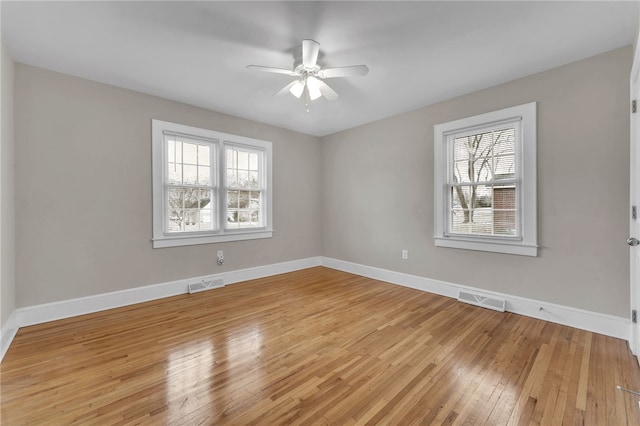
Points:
(7, 205)
(378, 190)
(83, 191)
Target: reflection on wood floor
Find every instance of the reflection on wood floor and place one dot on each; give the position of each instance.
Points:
(316, 346)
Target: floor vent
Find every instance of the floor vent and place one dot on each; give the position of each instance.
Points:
(205, 285)
(483, 301)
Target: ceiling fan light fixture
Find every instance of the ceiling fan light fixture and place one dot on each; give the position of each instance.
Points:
(314, 88)
(297, 89)
(310, 75)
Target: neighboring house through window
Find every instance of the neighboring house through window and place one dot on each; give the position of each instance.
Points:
(485, 182)
(209, 186)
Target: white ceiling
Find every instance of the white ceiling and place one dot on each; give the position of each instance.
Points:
(418, 53)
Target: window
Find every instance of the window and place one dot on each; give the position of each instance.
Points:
(485, 182)
(208, 186)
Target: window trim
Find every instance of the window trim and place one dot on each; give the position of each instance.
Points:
(160, 238)
(526, 153)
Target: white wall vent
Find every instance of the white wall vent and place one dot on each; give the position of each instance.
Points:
(483, 301)
(206, 284)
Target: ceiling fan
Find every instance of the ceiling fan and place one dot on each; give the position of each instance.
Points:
(310, 75)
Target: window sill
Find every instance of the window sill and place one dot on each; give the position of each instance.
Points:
(490, 246)
(192, 240)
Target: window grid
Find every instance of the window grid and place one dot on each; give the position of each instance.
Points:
(483, 183)
(244, 188)
(189, 185)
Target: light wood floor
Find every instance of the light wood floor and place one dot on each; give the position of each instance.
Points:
(314, 347)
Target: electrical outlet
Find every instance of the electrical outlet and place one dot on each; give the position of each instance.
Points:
(220, 257)
(405, 254)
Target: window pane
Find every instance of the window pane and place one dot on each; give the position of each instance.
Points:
(204, 155)
(206, 219)
(189, 162)
(505, 141)
(243, 178)
(243, 218)
(461, 172)
(481, 221)
(243, 200)
(174, 173)
(243, 209)
(243, 160)
(253, 161)
(481, 170)
(189, 153)
(472, 146)
(232, 208)
(254, 180)
(254, 203)
(460, 149)
(484, 157)
(171, 150)
(459, 222)
(189, 174)
(505, 166)
(460, 209)
(204, 175)
(459, 196)
(174, 149)
(483, 210)
(504, 214)
(189, 209)
(243, 168)
(232, 178)
(232, 219)
(232, 158)
(232, 199)
(483, 197)
(482, 144)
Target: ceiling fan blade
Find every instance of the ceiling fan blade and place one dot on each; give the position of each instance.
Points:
(271, 69)
(313, 88)
(310, 51)
(286, 88)
(297, 88)
(327, 91)
(351, 71)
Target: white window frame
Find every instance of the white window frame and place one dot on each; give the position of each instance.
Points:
(526, 202)
(218, 142)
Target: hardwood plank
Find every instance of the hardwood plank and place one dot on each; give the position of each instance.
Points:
(316, 346)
